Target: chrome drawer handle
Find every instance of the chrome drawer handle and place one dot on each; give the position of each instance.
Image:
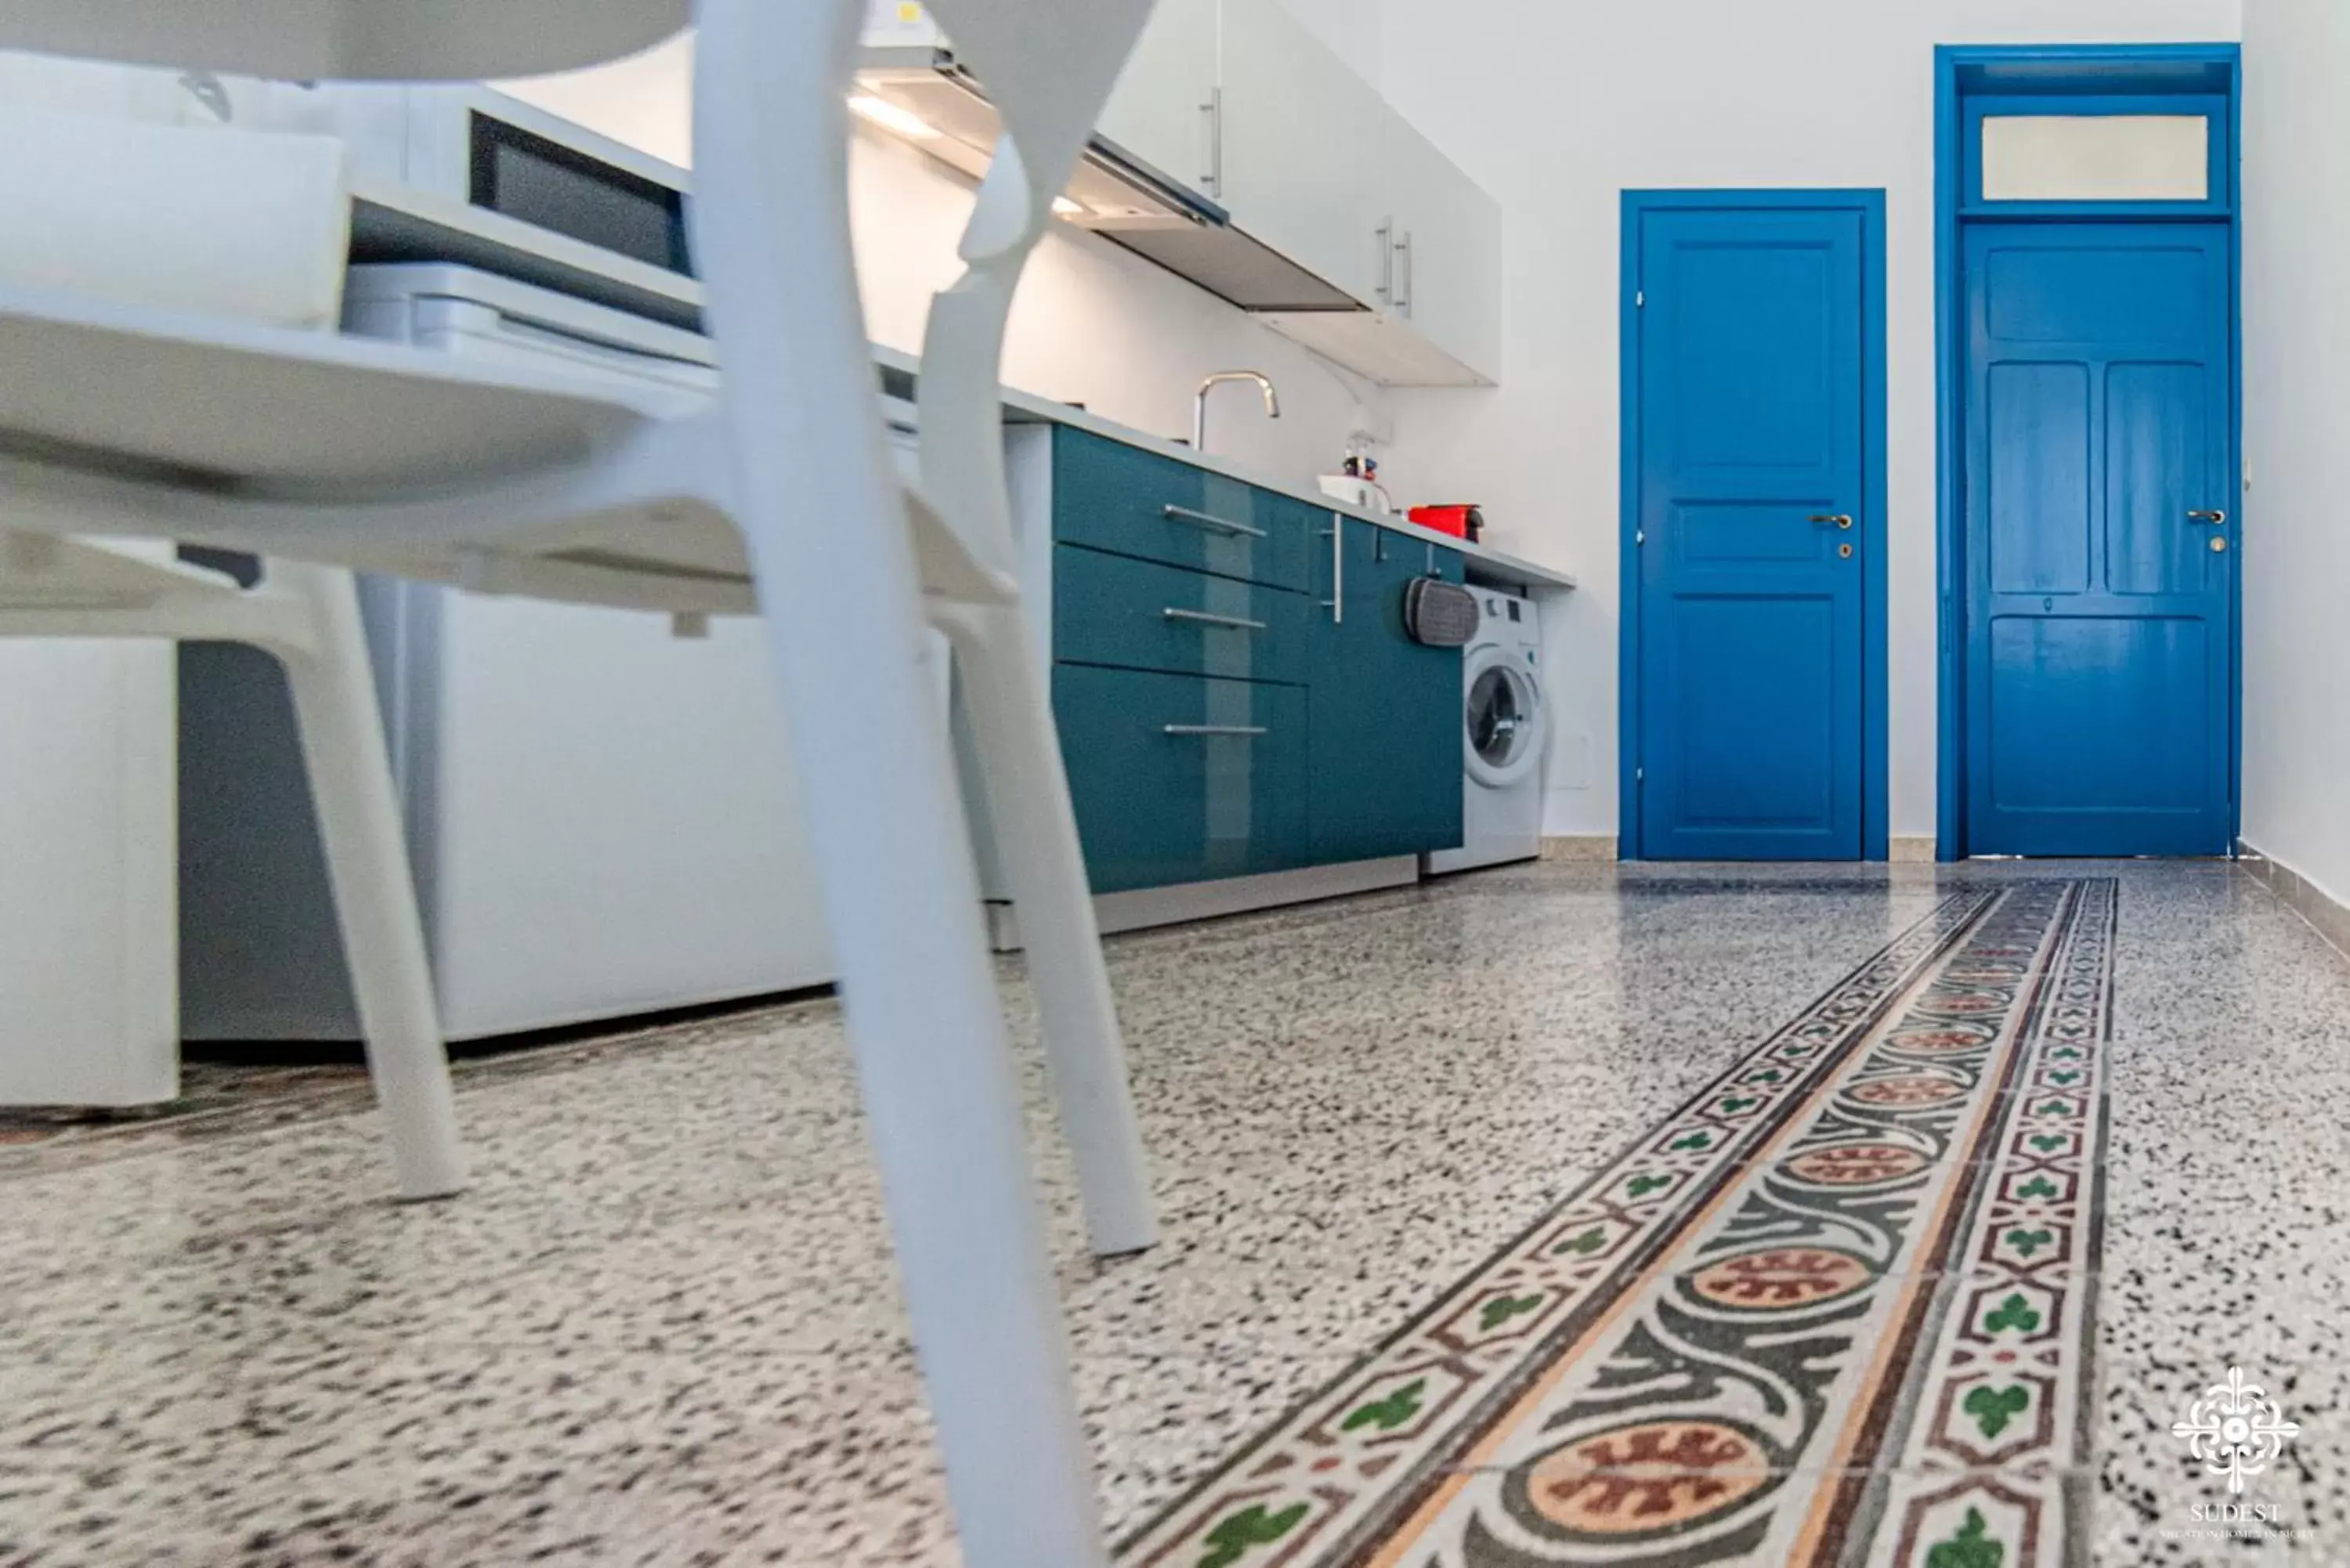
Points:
(1203, 619)
(1217, 730)
(1208, 520)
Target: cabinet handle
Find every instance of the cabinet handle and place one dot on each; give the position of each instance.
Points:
(1404, 289)
(1208, 520)
(1202, 617)
(1338, 604)
(1190, 730)
(1212, 182)
(1384, 235)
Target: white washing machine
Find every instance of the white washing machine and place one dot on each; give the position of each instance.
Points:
(1505, 738)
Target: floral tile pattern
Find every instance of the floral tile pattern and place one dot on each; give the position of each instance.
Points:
(663, 1326)
(1834, 1310)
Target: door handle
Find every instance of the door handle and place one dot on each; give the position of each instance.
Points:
(2217, 519)
(1212, 180)
(1211, 730)
(1837, 519)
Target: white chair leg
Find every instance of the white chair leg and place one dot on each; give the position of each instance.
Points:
(828, 539)
(1037, 835)
(375, 896)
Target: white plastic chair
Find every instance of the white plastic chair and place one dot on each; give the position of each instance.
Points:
(309, 617)
(383, 458)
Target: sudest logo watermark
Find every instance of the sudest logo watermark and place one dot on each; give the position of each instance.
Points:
(2236, 1432)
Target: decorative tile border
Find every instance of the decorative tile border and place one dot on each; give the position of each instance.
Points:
(1865, 1241)
(1331, 1474)
(1997, 1414)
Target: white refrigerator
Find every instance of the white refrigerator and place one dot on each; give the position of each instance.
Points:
(602, 817)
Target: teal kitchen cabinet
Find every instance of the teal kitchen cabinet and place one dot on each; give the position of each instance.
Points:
(1107, 496)
(1182, 778)
(1384, 727)
(1235, 690)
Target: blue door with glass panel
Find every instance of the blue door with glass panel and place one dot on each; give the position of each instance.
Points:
(1749, 466)
(2101, 555)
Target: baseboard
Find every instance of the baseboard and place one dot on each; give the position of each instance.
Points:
(1149, 906)
(1592, 847)
(2327, 915)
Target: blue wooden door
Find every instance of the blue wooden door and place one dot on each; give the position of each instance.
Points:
(2101, 560)
(1752, 549)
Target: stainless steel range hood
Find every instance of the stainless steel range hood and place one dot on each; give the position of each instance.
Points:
(924, 96)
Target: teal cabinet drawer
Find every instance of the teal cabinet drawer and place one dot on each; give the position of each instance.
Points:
(1179, 779)
(1111, 496)
(1113, 609)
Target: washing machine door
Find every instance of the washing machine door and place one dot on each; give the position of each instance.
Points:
(1506, 723)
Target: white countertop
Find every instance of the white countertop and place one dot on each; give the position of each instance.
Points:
(1491, 568)
(400, 223)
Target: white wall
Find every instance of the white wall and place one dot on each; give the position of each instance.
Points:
(1093, 324)
(1555, 108)
(1354, 30)
(2296, 402)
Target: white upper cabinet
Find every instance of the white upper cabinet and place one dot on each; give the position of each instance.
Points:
(1349, 231)
(1299, 166)
(1448, 238)
(1161, 110)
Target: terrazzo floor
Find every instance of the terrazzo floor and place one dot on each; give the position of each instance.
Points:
(663, 1327)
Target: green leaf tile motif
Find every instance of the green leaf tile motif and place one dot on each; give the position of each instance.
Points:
(1972, 1547)
(2038, 1186)
(1583, 1246)
(1253, 1526)
(1502, 1309)
(2014, 1313)
(1391, 1412)
(1993, 1408)
(2027, 1242)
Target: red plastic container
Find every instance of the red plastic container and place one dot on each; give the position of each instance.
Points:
(1460, 522)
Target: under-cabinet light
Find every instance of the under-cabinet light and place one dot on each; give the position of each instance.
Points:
(890, 117)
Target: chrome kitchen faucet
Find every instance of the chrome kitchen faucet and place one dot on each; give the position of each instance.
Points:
(1199, 403)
